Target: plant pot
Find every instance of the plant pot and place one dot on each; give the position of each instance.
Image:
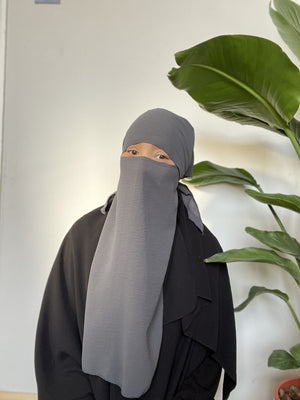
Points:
(285, 385)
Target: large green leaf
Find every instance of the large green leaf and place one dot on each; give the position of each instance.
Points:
(258, 290)
(207, 173)
(240, 78)
(295, 127)
(256, 254)
(295, 352)
(277, 240)
(290, 201)
(283, 360)
(287, 21)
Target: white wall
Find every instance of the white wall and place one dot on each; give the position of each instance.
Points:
(77, 74)
(3, 9)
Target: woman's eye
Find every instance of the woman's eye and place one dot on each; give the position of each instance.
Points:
(162, 157)
(133, 152)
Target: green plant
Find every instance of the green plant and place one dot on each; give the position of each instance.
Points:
(250, 80)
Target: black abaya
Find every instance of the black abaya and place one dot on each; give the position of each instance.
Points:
(198, 331)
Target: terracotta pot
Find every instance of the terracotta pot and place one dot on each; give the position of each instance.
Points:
(285, 385)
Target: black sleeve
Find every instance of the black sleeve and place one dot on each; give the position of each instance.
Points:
(202, 383)
(58, 339)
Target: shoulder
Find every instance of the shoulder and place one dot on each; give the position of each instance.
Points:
(210, 243)
(81, 239)
(88, 227)
(88, 221)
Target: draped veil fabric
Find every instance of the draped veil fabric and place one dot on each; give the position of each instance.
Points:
(124, 308)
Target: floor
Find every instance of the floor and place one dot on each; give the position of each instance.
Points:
(17, 396)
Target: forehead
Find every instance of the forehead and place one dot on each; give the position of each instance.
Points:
(145, 145)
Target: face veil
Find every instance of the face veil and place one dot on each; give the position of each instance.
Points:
(124, 307)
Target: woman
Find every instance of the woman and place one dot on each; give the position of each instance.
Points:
(130, 309)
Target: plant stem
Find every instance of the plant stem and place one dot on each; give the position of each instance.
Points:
(277, 218)
(293, 314)
(292, 138)
(275, 215)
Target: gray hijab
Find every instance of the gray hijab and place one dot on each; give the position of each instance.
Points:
(124, 307)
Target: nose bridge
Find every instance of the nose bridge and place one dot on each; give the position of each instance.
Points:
(147, 150)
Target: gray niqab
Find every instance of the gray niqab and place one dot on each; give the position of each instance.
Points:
(124, 307)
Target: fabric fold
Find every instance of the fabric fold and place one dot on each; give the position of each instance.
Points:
(211, 323)
(124, 307)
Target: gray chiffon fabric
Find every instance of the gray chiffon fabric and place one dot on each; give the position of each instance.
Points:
(124, 307)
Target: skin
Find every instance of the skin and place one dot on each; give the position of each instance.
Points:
(148, 150)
